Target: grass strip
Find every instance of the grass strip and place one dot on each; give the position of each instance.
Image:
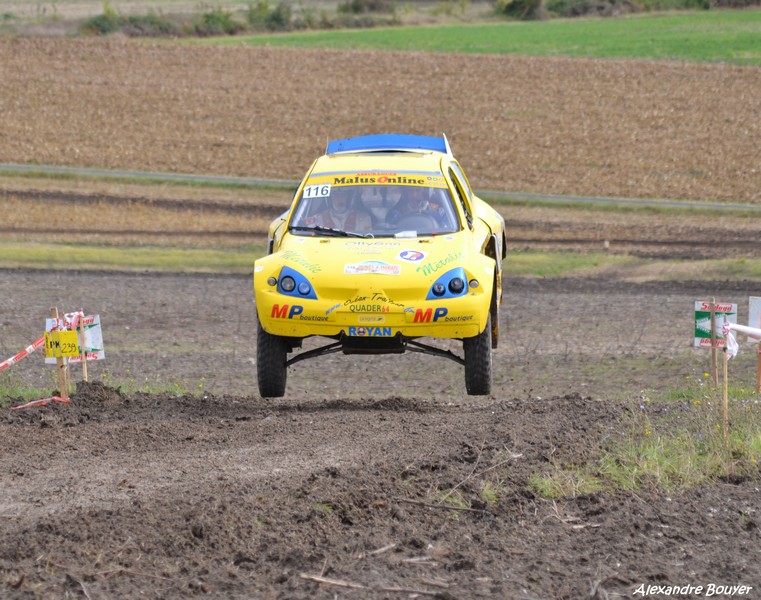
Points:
(240, 261)
(127, 258)
(568, 264)
(671, 441)
(52, 172)
(731, 36)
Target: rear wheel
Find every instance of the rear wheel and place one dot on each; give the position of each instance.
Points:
(478, 361)
(271, 356)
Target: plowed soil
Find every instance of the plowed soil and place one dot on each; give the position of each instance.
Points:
(368, 480)
(549, 125)
(375, 477)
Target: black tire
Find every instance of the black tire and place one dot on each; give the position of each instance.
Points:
(271, 356)
(478, 361)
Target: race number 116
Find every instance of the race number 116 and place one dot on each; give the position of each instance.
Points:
(321, 190)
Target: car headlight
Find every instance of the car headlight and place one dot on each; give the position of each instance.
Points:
(450, 285)
(288, 284)
(456, 285)
(293, 283)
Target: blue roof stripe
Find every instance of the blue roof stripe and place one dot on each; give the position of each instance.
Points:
(388, 141)
(376, 172)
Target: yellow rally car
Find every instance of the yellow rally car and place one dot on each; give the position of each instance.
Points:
(385, 243)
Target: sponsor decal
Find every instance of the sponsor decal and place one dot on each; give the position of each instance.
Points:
(459, 319)
(286, 311)
(440, 314)
(433, 266)
(374, 267)
(381, 179)
(370, 331)
(412, 255)
(332, 308)
(318, 181)
(367, 244)
(258, 268)
(376, 301)
(362, 247)
(369, 308)
(300, 260)
(429, 314)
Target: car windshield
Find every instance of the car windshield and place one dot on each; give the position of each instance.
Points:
(374, 211)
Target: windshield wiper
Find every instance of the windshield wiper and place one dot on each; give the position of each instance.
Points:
(330, 230)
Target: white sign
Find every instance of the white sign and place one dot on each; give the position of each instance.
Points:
(93, 340)
(754, 312)
(754, 317)
(723, 311)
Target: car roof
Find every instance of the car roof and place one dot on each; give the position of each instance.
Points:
(397, 142)
(384, 152)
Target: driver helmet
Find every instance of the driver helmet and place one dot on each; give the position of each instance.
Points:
(340, 200)
(418, 198)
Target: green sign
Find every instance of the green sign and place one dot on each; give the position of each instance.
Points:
(722, 311)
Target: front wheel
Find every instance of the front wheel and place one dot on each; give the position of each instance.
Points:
(478, 361)
(271, 370)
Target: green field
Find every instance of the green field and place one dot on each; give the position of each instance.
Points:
(713, 36)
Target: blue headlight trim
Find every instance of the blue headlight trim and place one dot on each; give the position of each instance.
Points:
(445, 279)
(300, 281)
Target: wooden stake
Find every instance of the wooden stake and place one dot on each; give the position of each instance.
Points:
(63, 382)
(725, 405)
(758, 370)
(714, 366)
(82, 342)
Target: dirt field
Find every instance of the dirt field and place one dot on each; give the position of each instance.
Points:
(566, 126)
(376, 477)
(225, 495)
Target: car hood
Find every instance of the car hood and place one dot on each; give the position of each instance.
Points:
(336, 257)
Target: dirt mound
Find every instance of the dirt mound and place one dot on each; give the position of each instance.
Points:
(403, 512)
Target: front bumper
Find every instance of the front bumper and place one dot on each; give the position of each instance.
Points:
(372, 315)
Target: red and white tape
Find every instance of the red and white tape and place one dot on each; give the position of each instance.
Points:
(23, 354)
(70, 321)
(41, 402)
